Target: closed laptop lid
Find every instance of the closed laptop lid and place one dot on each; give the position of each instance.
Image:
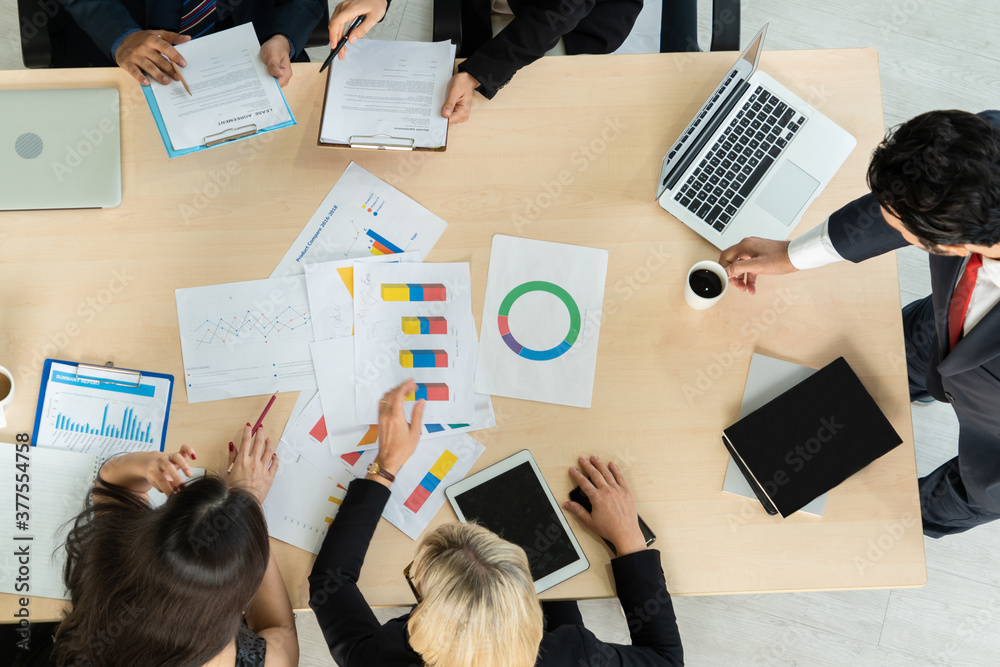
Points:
(60, 149)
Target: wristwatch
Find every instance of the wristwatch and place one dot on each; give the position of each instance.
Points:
(376, 469)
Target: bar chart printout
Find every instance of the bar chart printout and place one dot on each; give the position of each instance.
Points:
(100, 417)
(430, 481)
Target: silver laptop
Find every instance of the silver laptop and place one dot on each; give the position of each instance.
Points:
(60, 149)
(752, 160)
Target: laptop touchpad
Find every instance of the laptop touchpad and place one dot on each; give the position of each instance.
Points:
(787, 192)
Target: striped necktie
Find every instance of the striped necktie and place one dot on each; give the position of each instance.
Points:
(197, 17)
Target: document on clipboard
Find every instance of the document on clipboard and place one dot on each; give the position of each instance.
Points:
(102, 410)
(232, 97)
(388, 95)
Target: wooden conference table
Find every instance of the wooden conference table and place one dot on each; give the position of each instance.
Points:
(569, 151)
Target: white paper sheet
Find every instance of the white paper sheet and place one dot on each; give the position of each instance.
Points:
(361, 216)
(389, 90)
(767, 379)
(327, 443)
(381, 344)
(245, 339)
(230, 89)
(418, 492)
(334, 363)
(102, 418)
(303, 500)
(330, 286)
(547, 297)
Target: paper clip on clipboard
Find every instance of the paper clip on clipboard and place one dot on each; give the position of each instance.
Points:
(230, 134)
(382, 142)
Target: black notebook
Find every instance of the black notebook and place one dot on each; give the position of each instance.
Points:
(810, 439)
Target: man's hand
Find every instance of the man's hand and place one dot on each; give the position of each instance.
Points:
(458, 104)
(344, 15)
(754, 257)
(276, 53)
(141, 55)
(613, 517)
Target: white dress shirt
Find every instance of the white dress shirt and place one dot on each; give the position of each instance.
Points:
(814, 249)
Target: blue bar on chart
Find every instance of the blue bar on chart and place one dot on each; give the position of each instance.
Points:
(131, 428)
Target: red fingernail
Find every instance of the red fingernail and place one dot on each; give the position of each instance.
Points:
(231, 447)
(248, 423)
(193, 457)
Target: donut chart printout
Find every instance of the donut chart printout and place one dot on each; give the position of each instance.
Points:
(541, 321)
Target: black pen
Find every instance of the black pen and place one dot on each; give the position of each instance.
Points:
(342, 42)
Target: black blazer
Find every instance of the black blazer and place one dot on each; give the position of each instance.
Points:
(586, 26)
(105, 20)
(968, 376)
(356, 638)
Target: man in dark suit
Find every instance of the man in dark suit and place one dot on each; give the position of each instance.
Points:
(136, 34)
(356, 639)
(499, 37)
(935, 184)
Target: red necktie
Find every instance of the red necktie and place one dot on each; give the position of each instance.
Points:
(961, 298)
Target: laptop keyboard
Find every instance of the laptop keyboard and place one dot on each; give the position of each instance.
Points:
(741, 156)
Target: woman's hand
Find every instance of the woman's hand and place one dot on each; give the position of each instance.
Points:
(164, 471)
(254, 463)
(344, 15)
(397, 439)
(613, 517)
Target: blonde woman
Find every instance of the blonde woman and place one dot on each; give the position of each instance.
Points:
(476, 603)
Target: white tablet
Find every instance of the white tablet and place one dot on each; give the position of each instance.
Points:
(512, 499)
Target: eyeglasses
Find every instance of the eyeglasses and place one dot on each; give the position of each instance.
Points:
(409, 581)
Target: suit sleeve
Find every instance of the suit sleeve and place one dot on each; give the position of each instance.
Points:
(656, 641)
(536, 28)
(347, 622)
(296, 20)
(104, 21)
(859, 232)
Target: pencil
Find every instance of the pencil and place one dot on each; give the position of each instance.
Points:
(263, 414)
(180, 76)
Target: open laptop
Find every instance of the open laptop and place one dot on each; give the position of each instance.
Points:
(752, 159)
(60, 149)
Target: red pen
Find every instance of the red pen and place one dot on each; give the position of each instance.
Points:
(263, 414)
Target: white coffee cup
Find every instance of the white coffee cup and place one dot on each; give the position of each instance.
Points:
(700, 299)
(6, 393)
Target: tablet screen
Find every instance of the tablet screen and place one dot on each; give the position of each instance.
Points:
(514, 506)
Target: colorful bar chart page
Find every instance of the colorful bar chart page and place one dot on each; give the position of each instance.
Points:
(418, 492)
(101, 417)
(362, 216)
(541, 321)
(246, 339)
(415, 321)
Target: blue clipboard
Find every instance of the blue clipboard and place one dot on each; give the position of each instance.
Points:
(120, 380)
(158, 117)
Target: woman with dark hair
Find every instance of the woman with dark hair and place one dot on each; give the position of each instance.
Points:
(191, 582)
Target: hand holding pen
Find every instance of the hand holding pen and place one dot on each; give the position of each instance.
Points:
(344, 19)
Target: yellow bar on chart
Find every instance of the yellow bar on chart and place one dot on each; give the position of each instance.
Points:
(395, 292)
(444, 464)
(411, 325)
(406, 358)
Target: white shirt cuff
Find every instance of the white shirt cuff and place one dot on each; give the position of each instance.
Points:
(813, 249)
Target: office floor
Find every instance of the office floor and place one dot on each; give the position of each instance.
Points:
(934, 54)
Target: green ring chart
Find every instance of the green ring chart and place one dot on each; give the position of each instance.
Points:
(527, 352)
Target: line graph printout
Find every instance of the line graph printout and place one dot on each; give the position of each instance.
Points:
(245, 339)
(362, 216)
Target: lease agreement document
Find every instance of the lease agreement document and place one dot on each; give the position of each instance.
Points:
(389, 93)
(231, 91)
